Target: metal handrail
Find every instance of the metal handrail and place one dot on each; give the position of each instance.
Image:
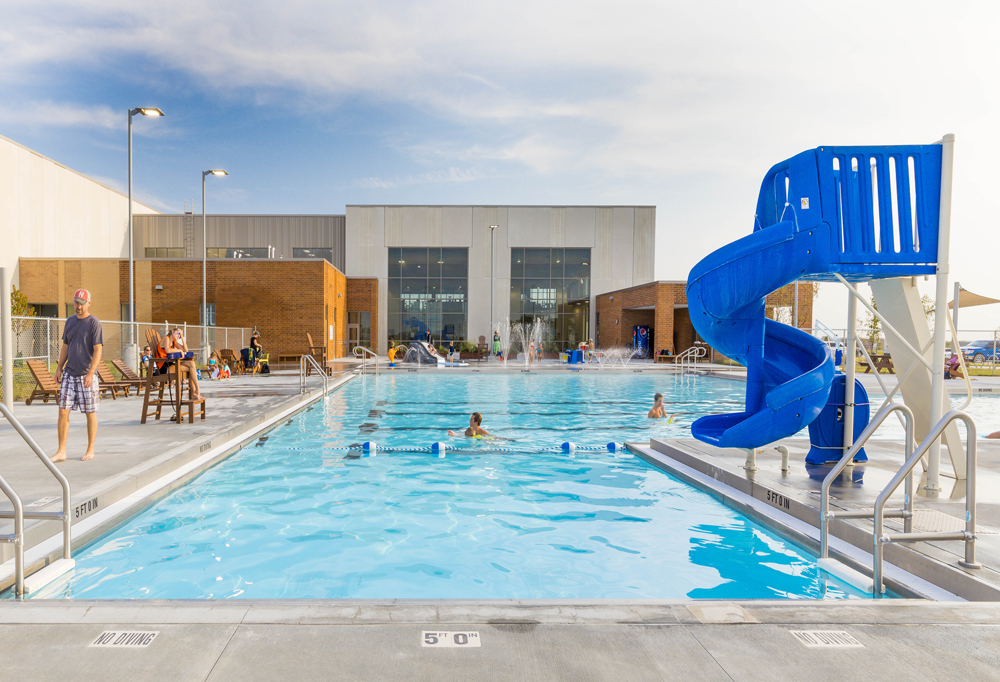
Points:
(302, 373)
(968, 535)
(19, 514)
(825, 515)
(363, 354)
(692, 354)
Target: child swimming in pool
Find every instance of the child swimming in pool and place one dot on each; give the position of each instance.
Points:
(475, 427)
(658, 411)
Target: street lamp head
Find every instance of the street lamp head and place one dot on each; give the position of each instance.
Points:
(493, 227)
(149, 111)
(214, 172)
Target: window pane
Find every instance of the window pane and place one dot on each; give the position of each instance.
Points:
(456, 263)
(516, 263)
(433, 287)
(393, 326)
(577, 290)
(434, 262)
(414, 262)
(577, 263)
(414, 287)
(557, 263)
(394, 288)
(393, 305)
(454, 286)
(536, 263)
(395, 267)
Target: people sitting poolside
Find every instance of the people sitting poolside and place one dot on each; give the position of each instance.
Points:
(658, 411)
(475, 429)
(174, 345)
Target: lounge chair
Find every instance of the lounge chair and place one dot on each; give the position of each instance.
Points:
(110, 384)
(127, 372)
(46, 383)
(227, 356)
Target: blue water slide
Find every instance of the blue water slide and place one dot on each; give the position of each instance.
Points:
(861, 212)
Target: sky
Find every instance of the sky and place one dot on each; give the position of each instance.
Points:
(314, 105)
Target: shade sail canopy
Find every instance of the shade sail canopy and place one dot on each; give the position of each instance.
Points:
(967, 299)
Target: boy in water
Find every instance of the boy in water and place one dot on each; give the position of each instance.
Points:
(658, 411)
(475, 427)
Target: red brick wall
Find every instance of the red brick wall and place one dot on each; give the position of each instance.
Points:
(283, 299)
(616, 304)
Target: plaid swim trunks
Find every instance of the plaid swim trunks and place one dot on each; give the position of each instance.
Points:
(73, 395)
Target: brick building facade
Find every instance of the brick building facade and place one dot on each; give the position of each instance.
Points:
(283, 299)
(663, 307)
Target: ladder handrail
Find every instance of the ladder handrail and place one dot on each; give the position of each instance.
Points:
(18, 515)
(302, 372)
(692, 354)
(968, 535)
(365, 352)
(824, 501)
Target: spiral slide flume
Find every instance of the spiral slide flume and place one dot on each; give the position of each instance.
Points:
(789, 372)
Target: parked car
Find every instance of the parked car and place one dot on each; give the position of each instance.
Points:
(981, 351)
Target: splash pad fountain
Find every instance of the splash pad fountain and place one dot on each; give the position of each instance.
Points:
(527, 335)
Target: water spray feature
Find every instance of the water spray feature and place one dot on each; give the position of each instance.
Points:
(529, 336)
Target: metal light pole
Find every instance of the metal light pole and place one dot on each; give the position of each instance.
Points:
(493, 240)
(204, 246)
(145, 111)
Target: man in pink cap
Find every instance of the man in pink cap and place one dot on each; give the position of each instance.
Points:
(79, 389)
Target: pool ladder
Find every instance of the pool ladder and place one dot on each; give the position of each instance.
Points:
(364, 354)
(305, 362)
(689, 358)
(904, 475)
(17, 538)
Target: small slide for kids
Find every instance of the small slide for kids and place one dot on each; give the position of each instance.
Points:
(426, 354)
(864, 213)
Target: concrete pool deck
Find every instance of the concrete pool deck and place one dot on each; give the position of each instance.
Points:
(527, 639)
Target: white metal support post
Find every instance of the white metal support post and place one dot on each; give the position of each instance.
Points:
(493, 240)
(204, 247)
(850, 367)
(941, 310)
(7, 356)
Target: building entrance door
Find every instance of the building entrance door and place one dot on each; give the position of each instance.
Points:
(353, 337)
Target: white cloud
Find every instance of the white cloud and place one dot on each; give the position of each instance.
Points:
(59, 115)
(443, 176)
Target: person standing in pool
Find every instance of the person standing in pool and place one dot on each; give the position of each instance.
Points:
(475, 427)
(658, 411)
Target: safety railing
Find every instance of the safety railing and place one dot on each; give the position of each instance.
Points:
(304, 363)
(690, 358)
(968, 535)
(364, 354)
(18, 514)
(825, 515)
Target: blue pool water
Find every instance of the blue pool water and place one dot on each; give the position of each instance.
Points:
(299, 516)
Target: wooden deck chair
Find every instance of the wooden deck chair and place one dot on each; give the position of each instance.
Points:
(318, 352)
(227, 356)
(127, 372)
(109, 383)
(46, 386)
(129, 377)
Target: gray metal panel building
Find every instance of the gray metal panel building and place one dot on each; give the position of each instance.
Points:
(283, 233)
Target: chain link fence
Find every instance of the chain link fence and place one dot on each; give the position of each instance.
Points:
(40, 338)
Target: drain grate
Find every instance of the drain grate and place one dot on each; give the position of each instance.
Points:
(827, 639)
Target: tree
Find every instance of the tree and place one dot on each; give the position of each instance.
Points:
(872, 329)
(928, 303)
(20, 313)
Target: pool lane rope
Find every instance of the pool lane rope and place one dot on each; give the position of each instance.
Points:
(438, 448)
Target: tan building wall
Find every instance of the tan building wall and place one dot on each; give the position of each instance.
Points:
(362, 296)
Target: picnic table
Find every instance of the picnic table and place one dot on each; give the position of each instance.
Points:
(883, 361)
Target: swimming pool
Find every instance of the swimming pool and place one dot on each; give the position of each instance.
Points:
(300, 516)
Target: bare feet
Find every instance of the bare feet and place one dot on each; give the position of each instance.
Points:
(89, 455)
(59, 457)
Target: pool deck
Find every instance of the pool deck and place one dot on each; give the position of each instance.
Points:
(520, 639)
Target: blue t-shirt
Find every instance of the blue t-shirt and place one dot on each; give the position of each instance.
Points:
(80, 337)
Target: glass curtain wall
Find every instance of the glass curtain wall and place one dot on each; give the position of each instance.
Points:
(554, 285)
(428, 290)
